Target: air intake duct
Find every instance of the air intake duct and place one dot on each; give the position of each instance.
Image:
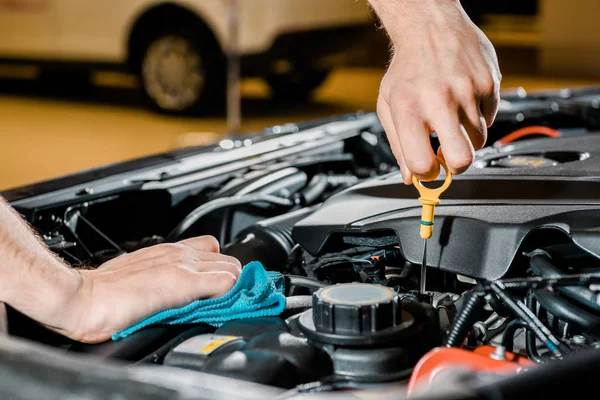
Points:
(269, 241)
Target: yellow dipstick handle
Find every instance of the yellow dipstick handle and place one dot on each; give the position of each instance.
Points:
(429, 199)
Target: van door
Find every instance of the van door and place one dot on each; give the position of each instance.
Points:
(28, 29)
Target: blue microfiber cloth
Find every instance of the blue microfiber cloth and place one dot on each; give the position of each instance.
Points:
(257, 293)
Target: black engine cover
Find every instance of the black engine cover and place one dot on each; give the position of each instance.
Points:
(485, 214)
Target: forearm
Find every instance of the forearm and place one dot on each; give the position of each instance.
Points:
(32, 279)
(399, 17)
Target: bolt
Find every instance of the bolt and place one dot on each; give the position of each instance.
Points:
(85, 191)
(579, 339)
(499, 353)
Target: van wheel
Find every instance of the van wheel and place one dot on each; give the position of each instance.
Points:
(181, 74)
(297, 84)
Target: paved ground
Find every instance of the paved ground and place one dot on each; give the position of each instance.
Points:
(46, 133)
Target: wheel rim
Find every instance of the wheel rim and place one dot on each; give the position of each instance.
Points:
(173, 74)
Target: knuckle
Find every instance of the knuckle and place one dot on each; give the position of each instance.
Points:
(234, 261)
(181, 266)
(222, 282)
(465, 91)
(487, 85)
(172, 247)
(464, 86)
(406, 105)
(460, 162)
(234, 269)
(442, 94)
(421, 166)
(210, 241)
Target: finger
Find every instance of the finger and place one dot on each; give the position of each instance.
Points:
(383, 111)
(454, 140)
(202, 243)
(489, 107)
(213, 284)
(193, 286)
(475, 124)
(413, 134)
(145, 254)
(202, 256)
(201, 248)
(200, 261)
(488, 94)
(466, 92)
(218, 266)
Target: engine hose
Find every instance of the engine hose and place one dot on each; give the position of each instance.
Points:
(541, 265)
(530, 339)
(566, 311)
(298, 302)
(509, 333)
(222, 203)
(302, 281)
(521, 311)
(314, 190)
(463, 322)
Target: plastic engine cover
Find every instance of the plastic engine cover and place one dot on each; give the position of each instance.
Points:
(485, 214)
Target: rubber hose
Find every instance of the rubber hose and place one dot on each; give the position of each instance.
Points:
(541, 265)
(530, 339)
(219, 204)
(298, 302)
(509, 333)
(314, 190)
(563, 309)
(470, 311)
(302, 281)
(521, 311)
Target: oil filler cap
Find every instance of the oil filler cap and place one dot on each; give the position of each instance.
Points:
(356, 309)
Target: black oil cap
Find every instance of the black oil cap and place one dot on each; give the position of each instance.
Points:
(356, 309)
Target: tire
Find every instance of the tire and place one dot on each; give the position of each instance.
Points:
(297, 84)
(181, 73)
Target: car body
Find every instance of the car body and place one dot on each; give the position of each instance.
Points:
(179, 46)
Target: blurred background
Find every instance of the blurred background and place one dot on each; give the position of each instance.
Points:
(86, 83)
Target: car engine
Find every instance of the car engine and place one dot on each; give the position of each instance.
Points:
(513, 265)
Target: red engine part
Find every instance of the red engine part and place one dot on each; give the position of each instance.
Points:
(479, 360)
(527, 131)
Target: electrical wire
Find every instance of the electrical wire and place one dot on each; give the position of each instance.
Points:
(527, 131)
(521, 311)
(538, 282)
(221, 203)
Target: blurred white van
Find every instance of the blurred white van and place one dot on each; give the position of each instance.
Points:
(178, 47)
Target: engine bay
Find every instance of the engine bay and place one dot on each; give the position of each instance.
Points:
(513, 264)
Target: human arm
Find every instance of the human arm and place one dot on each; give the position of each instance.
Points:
(443, 77)
(90, 305)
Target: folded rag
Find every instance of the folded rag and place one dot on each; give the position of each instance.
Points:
(257, 293)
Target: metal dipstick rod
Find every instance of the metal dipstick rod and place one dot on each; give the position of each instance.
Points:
(429, 198)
